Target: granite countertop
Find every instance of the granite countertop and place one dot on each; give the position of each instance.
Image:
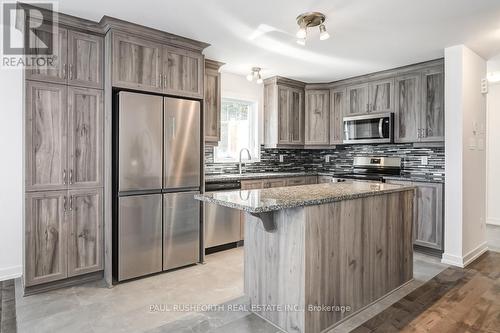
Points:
(272, 199)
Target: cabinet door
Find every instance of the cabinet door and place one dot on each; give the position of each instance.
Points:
(136, 63)
(283, 114)
(46, 237)
(432, 119)
(46, 134)
(337, 106)
(296, 116)
(408, 106)
(429, 221)
(85, 137)
(183, 71)
(357, 99)
(212, 105)
(57, 71)
(85, 240)
(382, 96)
(252, 184)
(317, 117)
(85, 58)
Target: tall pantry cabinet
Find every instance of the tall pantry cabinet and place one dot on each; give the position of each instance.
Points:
(64, 160)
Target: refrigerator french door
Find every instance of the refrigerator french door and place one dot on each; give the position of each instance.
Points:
(158, 174)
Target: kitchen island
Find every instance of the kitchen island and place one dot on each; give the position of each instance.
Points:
(316, 254)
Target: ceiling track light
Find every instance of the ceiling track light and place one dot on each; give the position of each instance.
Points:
(309, 20)
(255, 74)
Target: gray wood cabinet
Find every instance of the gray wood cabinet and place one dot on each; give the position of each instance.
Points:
(278, 182)
(85, 137)
(183, 72)
(136, 63)
(337, 110)
(429, 213)
(45, 237)
(283, 113)
(57, 73)
(85, 241)
(252, 184)
(317, 116)
(382, 96)
(408, 105)
(357, 99)
(85, 60)
(212, 100)
(46, 136)
(432, 117)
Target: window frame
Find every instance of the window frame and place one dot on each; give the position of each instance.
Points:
(254, 119)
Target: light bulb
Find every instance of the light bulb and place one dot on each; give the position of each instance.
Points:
(301, 41)
(302, 33)
(259, 79)
(250, 77)
(323, 34)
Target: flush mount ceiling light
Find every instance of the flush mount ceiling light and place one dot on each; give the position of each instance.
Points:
(309, 20)
(255, 74)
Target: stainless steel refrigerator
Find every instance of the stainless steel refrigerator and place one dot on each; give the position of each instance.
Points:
(157, 148)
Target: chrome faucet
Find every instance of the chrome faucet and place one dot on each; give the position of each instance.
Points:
(249, 156)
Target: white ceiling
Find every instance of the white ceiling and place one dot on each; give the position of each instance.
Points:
(366, 35)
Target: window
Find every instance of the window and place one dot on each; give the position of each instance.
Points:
(239, 129)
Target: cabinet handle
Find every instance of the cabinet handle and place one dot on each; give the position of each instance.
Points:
(64, 73)
(64, 203)
(418, 133)
(428, 132)
(70, 203)
(70, 176)
(64, 176)
(70, 72)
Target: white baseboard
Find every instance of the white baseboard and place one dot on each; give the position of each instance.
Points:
(493, 221)
(454, 260)
(11, 273)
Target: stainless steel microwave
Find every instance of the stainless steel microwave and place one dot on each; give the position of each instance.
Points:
(369, 128)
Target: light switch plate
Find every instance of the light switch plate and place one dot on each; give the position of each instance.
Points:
(424, 160)
(327, 158)
(282, 158)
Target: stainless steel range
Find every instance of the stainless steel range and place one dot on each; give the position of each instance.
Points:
(372, 168)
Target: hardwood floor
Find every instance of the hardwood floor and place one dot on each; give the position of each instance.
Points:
(456, 300)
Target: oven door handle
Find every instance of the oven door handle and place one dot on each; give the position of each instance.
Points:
(380, 128)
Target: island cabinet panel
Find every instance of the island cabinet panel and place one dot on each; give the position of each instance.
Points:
(85, 137)
(136, 63)
(382, 96)
(408, 104)
(182, 72)
(432, 119)
(45, 237)
(357, 99)
(86, 60)
(46, 136)
(85, 243)
(337, 110)
(317, 117)
(58, 72)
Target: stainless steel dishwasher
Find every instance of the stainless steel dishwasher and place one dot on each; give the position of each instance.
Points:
(222, 225)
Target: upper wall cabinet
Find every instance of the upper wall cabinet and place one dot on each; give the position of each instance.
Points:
(420, 106)
(317, 117)
(212, 100)
(136, 63)
(357, 99)
(78, 59)
(376, 96)
(337, 110)
(150, 66)
(283, 112)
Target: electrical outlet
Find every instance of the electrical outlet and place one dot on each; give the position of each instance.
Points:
(282, 158)
(424, 160)
(327, 158)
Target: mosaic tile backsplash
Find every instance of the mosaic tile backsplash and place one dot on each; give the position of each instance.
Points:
(341, 158)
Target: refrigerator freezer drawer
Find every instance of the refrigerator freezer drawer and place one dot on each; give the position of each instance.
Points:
(222, 225)
(139, 236)
(140, 141)
(181, 230)
(181, 143)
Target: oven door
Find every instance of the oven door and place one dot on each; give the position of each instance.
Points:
(372, 128)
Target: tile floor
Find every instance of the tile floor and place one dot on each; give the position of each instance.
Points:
(145, 305)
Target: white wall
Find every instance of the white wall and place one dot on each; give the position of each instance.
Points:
(238, 87)
(11, 173)
(465, 159)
